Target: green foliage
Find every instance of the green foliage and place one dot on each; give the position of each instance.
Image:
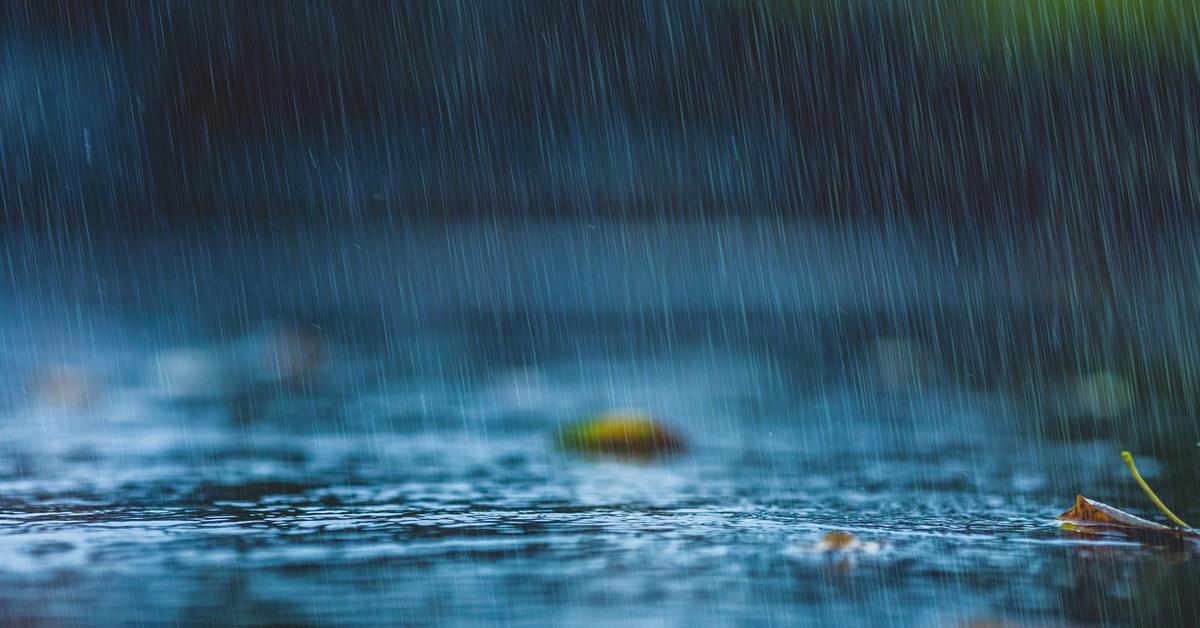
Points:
(1016, 31)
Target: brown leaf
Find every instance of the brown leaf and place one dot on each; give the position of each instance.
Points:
(1089, 516)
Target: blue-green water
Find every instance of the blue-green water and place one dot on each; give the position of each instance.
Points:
(416, 483)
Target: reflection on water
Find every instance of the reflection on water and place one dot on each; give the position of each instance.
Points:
(432, 494)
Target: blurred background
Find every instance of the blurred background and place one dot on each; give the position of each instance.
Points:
(343, 267)
(1009, 185)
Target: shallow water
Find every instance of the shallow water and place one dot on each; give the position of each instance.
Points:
(418, 484)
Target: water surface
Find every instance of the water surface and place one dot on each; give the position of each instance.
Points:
(427, 490)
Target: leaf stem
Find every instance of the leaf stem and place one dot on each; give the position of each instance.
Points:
(1154, 498)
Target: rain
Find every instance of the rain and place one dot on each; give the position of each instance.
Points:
(599, 313)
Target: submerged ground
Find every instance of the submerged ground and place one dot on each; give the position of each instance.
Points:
(348, 466)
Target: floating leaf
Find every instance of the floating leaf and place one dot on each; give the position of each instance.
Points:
(838, 549)
(1092, 517)
(621, 434)
(839, 541)
(1089, 516)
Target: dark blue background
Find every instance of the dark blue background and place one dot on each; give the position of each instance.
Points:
(132, 115)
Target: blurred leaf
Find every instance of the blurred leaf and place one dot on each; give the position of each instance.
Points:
(620, 434)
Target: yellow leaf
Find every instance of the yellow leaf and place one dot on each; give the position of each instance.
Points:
(621, 434)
